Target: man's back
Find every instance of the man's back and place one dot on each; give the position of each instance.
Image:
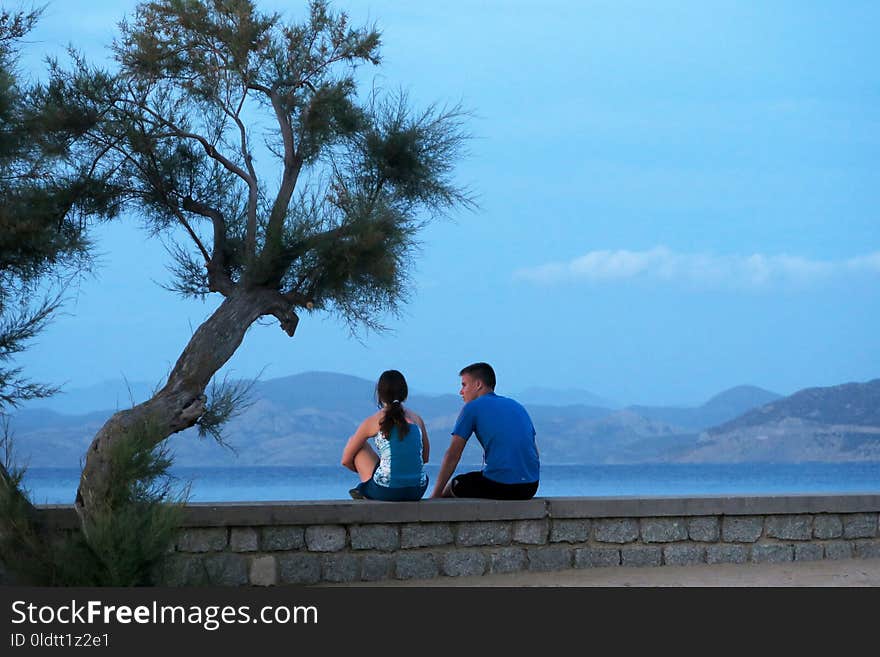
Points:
(506, 432)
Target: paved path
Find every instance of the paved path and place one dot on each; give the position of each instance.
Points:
(849, 573)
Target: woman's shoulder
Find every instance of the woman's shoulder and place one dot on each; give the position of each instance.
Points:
(375, 418)
(414, 417)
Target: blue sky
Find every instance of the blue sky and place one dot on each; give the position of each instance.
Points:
(675, 198)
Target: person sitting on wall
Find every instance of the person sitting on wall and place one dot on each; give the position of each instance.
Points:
(397, 472)
(511, 466)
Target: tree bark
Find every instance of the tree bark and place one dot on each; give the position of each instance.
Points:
(180, 403)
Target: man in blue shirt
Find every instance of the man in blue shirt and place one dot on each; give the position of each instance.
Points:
(511, 466)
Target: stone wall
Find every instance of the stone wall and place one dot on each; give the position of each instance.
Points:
(266, 544)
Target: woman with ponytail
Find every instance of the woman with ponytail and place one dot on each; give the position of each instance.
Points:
(397, 472)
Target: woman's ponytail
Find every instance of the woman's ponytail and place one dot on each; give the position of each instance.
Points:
(391, 391)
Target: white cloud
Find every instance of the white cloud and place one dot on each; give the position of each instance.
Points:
(660, 263)
(870, 262)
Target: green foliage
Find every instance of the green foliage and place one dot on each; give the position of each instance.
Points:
(46, 194)
(123, 544)
(16, 329)
(210, 95)
(23, 549)
(130, 534)
(226, 400)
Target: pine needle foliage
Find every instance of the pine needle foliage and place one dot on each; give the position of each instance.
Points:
(124, 544)
(246, 143)
(226, 400)
(48, 193)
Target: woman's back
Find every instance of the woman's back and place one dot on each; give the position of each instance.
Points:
(400, 459)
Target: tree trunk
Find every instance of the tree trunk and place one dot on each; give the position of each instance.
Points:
(179, 404)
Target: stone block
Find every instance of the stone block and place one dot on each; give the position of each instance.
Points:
(458, 563)
(212, 539)
(416, 565)
(808, 552)
(827, 526)
(181, 570)
(342, 567)
(684, 554)
(299, 568)
(374, 537)
(243, 539)
(772, 553)
(790, 528)
(663, 530)
(508, 560)
(376, 567)
(641, 556)
(549, 558)
(226, 569)
(533, 532)
(838, 550)
(563, 530)
(867, 549)
(325, 538)
(616, 530)
(860, 525)
(723, 553)
(706, 529)
(741, 529)
(483, 533)
(596, 557)
(282, 538)
(417, 534)
(263, 570)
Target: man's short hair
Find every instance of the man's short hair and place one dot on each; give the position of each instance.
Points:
(482, 372)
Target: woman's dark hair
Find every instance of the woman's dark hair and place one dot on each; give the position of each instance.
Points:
(391, 390)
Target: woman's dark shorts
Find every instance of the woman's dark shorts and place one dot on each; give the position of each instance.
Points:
(373, 491)
(474, 484)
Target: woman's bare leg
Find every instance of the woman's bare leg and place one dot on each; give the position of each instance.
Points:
(365, 462)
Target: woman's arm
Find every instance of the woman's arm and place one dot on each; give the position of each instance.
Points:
(367, 429)
(426, 445)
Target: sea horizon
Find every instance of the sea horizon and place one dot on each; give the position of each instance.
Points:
(327, 482)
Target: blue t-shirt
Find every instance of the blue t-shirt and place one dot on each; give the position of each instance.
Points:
(505, 430)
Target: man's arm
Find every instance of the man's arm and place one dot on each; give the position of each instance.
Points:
(447, 467)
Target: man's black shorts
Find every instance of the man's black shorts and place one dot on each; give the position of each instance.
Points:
(474, 484)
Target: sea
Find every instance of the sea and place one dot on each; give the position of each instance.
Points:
(324, 482)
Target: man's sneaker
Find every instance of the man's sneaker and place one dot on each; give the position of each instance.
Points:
(356, 494)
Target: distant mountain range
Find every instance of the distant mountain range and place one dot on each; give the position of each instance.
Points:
(306, 419)
(838, 423)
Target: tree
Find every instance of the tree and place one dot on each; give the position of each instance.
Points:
(48, 194)
(330, 230)
(45, 203)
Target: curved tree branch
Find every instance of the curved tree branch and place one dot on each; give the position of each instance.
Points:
(175, 131)
(253, 185)
(218, 279)
(292, 167)
(195, 238)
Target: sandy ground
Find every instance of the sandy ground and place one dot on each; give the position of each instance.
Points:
(842, 573)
